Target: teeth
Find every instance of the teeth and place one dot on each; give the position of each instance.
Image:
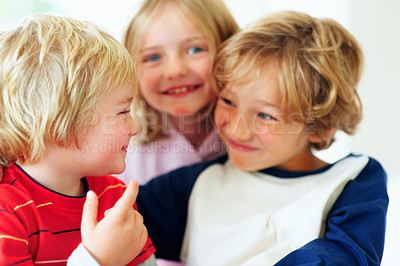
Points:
(180, 90)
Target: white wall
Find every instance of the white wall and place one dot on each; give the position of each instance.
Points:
(376, 24)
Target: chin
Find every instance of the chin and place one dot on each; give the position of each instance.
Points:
(242, 164)
(119, 169)
(184, 111)
(189, 110)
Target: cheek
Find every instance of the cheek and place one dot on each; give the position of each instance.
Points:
(203, 69)
(146, 92)
(124, 125)
(208, 69)
(220, 116)
(270, 139)
(148, 80)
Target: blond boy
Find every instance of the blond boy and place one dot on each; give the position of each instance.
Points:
(66, 90)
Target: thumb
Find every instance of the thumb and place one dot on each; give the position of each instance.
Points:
(89, 215)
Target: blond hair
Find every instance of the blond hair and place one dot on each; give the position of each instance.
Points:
(53, 71)
(214, 20)
(320, 66)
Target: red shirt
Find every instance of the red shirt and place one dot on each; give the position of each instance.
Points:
(41, 226)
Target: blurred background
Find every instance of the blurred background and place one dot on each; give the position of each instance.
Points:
(375, 24)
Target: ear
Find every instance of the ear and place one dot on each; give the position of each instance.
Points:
(316, 138)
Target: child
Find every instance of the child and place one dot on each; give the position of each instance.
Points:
(173, 44)
(66, 89)
(287, 83)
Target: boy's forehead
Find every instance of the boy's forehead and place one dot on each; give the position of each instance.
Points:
(259, 76)
(120, 95)
(261, 85)
(125, 99)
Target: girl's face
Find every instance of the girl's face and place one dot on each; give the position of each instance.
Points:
(175, 64)
(257, 132)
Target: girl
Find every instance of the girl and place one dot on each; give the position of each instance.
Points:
(173, 44)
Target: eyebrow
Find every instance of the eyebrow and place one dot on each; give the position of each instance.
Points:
(229, 93)
(125, 100)
(188, 40)
(196, 38)
(261, 101)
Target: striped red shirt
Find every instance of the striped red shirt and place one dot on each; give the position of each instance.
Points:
(41, 226)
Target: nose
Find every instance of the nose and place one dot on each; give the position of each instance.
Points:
(239, 127)
(176, 67)
(133, 126)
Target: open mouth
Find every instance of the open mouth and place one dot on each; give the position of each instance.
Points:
(181, 91)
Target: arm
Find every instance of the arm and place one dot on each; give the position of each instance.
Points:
(355, 227)
(163, 202)
(81, 257)
(13, 238)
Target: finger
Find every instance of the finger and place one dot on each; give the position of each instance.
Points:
(89, 215)
(128, 198)
(106, 212)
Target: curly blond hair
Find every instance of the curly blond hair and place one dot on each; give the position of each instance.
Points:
(320, 66)
(53, 71)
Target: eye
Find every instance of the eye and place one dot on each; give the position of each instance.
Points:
(265, 116)
(152, 58)
(125, 112)
(227, 101)
(195, 50)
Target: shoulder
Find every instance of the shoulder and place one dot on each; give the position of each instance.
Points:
(362, 172)
(371, 171)
(14, 202)
(369, 185)
(12, 196)
(12, 193)
(375, 168)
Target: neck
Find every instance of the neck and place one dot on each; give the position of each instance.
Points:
(54, 176)
(194, 127)
(306, 161)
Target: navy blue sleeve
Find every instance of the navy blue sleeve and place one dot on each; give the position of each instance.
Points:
(163, 203)
(355, 227)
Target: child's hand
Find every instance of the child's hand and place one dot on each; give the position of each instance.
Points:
(118, 238)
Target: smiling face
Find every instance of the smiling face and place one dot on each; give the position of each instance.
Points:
(174, 64)
(257, 132)
(104, 143)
